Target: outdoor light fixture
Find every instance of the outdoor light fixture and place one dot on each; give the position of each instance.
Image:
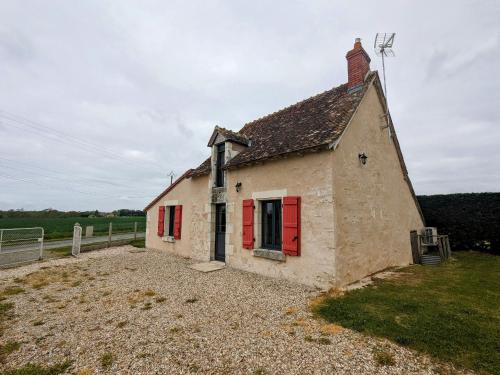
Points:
(362, 158)
(238, 187)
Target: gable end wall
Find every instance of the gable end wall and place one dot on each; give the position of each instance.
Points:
(374, 207)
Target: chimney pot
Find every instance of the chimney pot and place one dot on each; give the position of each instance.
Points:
(358, 65)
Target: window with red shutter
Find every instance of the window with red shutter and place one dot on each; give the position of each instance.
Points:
(291, 226)
(161, 221)
(178, 222)
(248, 239)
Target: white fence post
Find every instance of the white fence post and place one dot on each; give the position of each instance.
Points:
(110, 233)
(41, 244)
(77, 240)
(1, 238)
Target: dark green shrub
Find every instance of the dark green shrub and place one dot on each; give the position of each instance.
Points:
(471, 220)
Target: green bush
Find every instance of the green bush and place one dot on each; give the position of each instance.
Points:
(471, 220)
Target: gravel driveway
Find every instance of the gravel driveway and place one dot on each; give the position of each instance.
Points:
(121, 311)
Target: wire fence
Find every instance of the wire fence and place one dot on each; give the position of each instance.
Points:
(20, 245)
(100, 228)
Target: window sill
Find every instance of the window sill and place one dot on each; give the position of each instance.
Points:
(269, 254)
(168, 239)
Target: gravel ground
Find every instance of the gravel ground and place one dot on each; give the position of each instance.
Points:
(150, 314)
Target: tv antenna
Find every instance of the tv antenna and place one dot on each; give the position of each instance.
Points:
(171, 174)
(383, 48)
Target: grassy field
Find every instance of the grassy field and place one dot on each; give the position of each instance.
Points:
(63, 227)
(451, 311)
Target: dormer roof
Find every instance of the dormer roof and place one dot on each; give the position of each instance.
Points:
(228, 135)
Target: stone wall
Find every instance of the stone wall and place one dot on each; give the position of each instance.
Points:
(374, 208)
(193, 195)
(308, 176)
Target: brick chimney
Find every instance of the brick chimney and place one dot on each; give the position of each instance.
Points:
(358, 64)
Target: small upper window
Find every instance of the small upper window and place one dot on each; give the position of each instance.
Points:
(271, 224)
(219, 178)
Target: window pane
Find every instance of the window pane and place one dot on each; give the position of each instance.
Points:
(271, 224)
(277, 224)
(219, 164)
(221, 220)
(171, 218)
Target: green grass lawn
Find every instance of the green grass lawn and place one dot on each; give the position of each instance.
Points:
(56, 228)
(451, 311)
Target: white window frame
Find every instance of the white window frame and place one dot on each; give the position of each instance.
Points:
(169, 205)
(258, 197)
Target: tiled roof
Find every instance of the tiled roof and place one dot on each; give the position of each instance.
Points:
(306, 126)
(203, 168)
(229, 135)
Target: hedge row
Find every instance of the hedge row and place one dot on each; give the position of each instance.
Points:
(471, 220)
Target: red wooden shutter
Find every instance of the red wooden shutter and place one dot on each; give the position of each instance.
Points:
(291, 226)
(161, 221)
(177, 222)
(248, 223)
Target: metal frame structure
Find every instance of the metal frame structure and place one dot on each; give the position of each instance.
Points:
(383, 47)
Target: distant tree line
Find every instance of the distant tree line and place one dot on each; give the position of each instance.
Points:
(51, 213)
(471, 220)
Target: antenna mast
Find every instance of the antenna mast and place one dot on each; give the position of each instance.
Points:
(383, 48)
(171, 174)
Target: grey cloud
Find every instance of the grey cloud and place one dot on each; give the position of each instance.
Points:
(15, 47)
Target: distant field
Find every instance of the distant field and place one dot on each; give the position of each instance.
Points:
(63, 227)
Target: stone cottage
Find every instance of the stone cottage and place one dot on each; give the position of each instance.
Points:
(317, 192)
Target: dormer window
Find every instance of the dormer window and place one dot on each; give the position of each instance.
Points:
(219, 179)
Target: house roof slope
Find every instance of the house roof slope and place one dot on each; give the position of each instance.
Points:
(203, 169)
(307, 126)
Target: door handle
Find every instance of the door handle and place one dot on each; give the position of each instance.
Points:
(295, 238)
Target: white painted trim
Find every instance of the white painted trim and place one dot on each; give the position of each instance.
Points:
(270, 194)
(171, 203)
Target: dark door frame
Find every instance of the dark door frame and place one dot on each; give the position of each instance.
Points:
(220, 232)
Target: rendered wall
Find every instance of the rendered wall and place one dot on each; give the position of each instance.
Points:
(308, 176)
(374, 209)
(193, 195)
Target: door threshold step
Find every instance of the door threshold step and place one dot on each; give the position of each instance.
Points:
(205, 267)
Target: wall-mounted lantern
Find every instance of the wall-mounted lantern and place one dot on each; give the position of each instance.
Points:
(362, 158)
(238, 187)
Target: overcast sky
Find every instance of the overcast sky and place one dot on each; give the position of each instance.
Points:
(99, 100)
